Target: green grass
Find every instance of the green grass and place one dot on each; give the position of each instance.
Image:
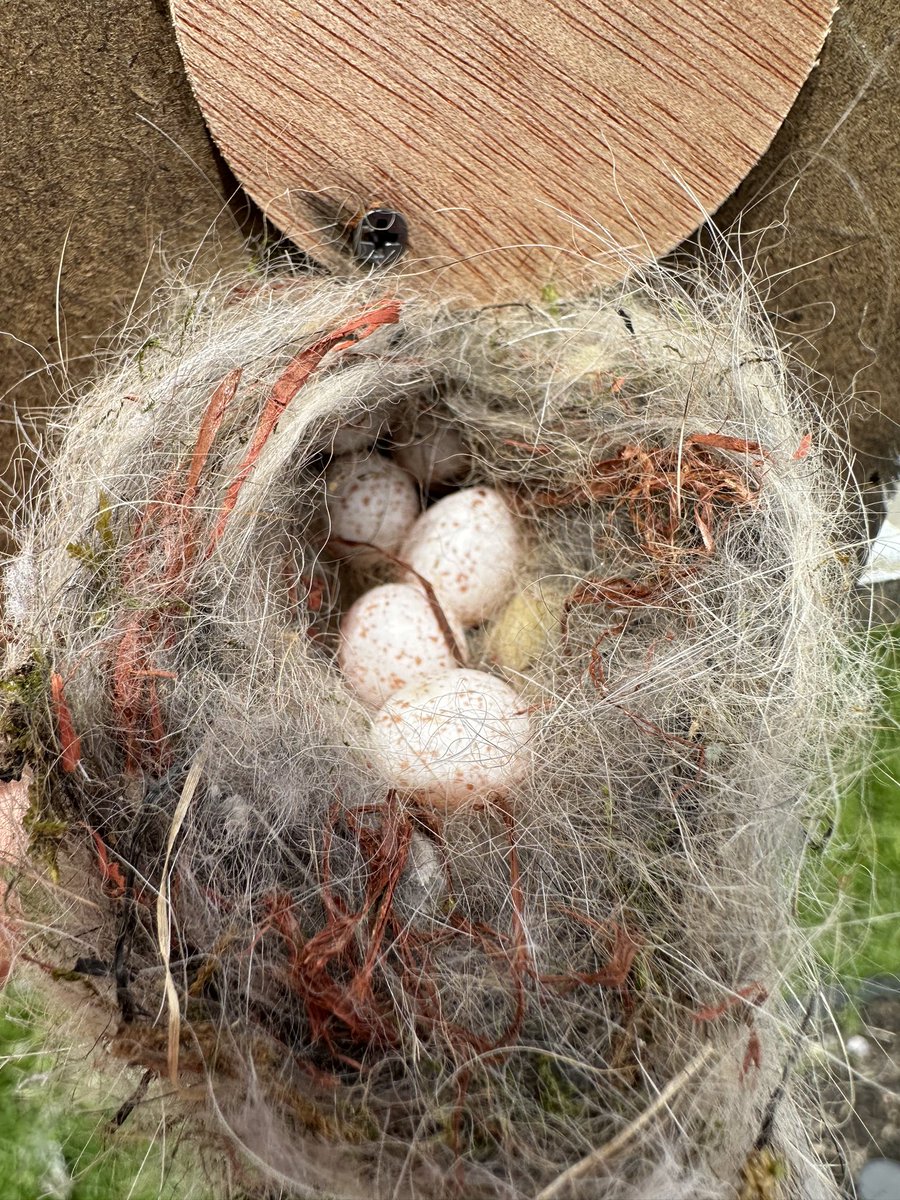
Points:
(56, 1141)
(856, 880)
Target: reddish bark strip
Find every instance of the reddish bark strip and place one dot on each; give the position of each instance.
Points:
(70, 743)
(286, 387)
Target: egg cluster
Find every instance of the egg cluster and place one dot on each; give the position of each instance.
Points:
(441, 730)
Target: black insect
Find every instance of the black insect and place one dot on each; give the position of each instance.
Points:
(380, 237)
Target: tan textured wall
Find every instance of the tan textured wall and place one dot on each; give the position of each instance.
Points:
(78, 157)
(82, 79)
(830, 184)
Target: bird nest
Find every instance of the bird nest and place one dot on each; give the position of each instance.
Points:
(581, 984)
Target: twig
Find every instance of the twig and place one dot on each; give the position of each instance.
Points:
(163, 923)
(133, 1100)
(603, 1154)
(765, 1132)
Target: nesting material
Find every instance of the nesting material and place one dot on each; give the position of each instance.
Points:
(358, 434)
(581, 982)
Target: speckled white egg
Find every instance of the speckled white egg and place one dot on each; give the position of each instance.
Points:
(390, 638)
(358, 433)
(369, 499)
(434, 454)
(458, 737)
(423, 884)
(468, 547)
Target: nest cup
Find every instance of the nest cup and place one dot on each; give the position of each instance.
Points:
(584, 987)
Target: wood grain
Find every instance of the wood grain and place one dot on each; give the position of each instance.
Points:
(520, 139)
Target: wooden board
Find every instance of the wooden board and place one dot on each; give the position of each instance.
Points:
(518, 138)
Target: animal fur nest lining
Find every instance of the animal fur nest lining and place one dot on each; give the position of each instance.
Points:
(583, 989)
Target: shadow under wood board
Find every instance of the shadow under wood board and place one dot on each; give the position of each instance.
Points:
(518, 139)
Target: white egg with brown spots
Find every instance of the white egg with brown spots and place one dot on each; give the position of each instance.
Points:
(435, 453)
(360, 432)
(392, 637)
(459, 737)
(369, 500)
(468, 546)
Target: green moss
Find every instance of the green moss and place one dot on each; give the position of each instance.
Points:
(27, 739)
(83, 552)
(188, 319)
(555, 1093)
(104, 522)
(853, 890)
(152, 343)
(45, 827)
(56, 1138)
(550, 298)
(96, 553)
(24, 692)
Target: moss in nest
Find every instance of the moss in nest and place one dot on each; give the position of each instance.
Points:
(45, 831)
(556, 1094)
(24, 702)
(27, 743)
(151, 344)
(763, 1176)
